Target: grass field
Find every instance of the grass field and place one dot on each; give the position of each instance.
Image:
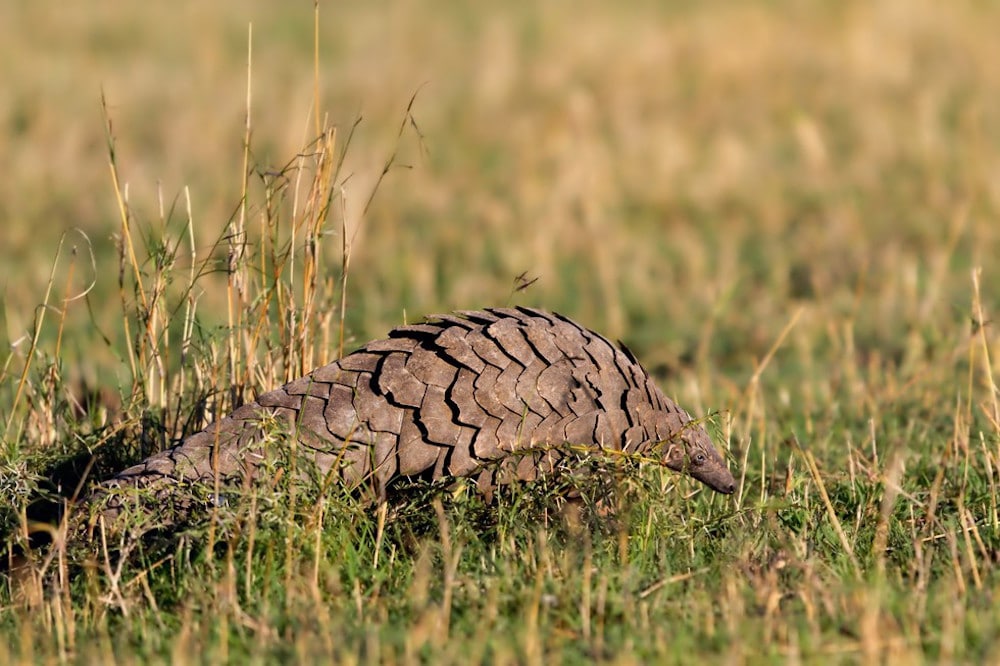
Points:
(789, 210)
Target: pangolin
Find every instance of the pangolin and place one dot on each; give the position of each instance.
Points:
(490, 394)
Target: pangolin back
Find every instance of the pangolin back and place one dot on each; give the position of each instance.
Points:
(449, 398)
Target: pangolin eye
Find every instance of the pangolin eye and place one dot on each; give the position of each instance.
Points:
(699, 458)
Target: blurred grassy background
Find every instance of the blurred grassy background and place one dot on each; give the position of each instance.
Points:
(697, 179)
(660, 167)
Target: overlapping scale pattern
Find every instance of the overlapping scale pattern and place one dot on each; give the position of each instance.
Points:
(448, 398)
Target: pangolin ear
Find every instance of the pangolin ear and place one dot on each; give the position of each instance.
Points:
(674, 456)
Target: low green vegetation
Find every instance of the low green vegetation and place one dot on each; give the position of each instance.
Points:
(789, 211)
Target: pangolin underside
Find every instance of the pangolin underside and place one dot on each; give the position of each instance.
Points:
(446, 398)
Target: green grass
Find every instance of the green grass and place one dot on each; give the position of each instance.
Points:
(788, 210)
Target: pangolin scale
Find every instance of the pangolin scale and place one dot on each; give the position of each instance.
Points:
(450, 397)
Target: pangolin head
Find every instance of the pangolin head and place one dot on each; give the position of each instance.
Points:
(693, 453)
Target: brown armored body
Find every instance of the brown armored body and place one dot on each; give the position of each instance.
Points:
(492, 394)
